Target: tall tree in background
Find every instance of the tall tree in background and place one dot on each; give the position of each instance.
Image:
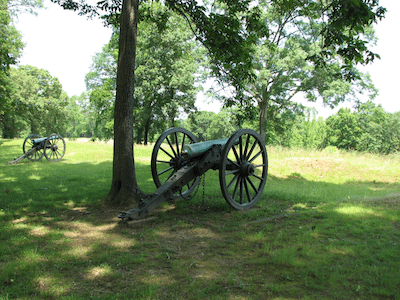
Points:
(38, 103)
(11, 47)
(369, 128)
(165, 74)
(101, 85)
(230, 35)
(10, 50)
(296, 58)
(207, 125)
(167, 64)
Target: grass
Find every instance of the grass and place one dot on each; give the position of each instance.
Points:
(327, 227)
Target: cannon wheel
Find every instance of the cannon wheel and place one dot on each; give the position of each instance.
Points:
(243, 169)
(167, 159)
(54, 148)
(28, 144)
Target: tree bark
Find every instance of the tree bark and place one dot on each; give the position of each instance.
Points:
(146, 130)
(139, 134)
(263, 106)
(124, 188)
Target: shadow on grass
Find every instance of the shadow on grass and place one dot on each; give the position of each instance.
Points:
(59, 241)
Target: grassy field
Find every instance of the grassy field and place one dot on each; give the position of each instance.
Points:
(327, 227)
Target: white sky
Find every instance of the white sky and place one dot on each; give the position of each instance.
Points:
(64, 43)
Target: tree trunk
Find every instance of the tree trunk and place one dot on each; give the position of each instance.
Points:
(146, 130)
(9, 131)
(139, 134)
(172, 113)
(263, 105)
(124, 188)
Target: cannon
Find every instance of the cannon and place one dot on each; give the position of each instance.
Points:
(178, 161)
(35, 147)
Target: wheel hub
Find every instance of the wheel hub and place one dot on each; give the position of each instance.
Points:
(246, 169)
(177, 162)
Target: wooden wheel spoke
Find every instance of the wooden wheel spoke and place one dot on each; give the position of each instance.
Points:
(231, 172)
(246, 147)
(258, 177)
(236, 154)
(177, 143)
(165, 170)
(172, 147)
(241, 190)
(163, 161)
(247, 190)
(235, 189)
(232, 181)
(233, 162)
(170, 175)
(252, 184)
(251, 150)
(166, 152)
(257, 166)
(183, 141)
(255, 156)
(240, 149)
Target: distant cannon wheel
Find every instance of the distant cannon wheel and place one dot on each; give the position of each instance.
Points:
(167, 158)
(54, 148)
(243, 169)
(28, 144)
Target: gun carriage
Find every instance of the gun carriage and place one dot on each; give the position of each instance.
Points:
(35, 147)
(178, 161)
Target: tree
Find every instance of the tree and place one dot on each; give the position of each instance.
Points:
(38, 103)
(10, 50)
(391, 138)
(368, 128)
(229, 35)
(101, 83)
(167, 64)
(165, 74)
(285, 62)
(10, 39)
(207, 125)
(343, 129)
(124, 187)
(81, 117)
(308, 132)
(379, 129)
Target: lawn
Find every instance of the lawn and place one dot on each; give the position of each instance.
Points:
(326, 227)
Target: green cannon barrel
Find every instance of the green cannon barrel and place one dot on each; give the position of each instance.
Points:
(43, 139)
(196, 149)
(39, 140)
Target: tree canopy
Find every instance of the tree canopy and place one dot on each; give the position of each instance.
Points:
(284, 65)
(167, 64)
(11, 47)
(37, 103)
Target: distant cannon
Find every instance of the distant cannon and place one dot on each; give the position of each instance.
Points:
(178, 161)
(35, 147)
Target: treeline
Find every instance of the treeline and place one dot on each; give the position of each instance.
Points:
(41, 106)
(367, 128)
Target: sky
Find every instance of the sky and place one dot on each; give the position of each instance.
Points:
(64, 43)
